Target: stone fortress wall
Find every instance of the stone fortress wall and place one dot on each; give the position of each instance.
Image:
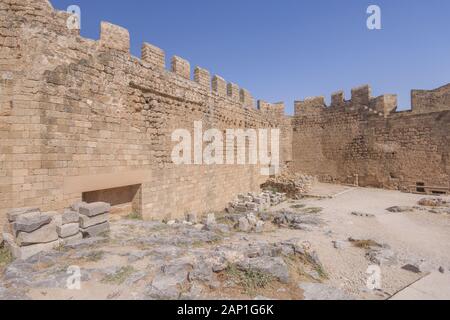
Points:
(82, 119)
(365, 141)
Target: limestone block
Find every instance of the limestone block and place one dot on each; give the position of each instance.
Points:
(68, 230)
(94, 209)
(153, 55)
(72, 239)
(45, 234)
(23, 253)
(86, 222)
(95, 230)
(15, 213)
(30, 224)
(181, 67)
(70, 216)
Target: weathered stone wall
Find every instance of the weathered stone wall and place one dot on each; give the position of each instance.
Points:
(365, 141)
(80, 115)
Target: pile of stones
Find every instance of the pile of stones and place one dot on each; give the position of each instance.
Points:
(94, 218)
(252, 202)
(294, 185)
(30, 231)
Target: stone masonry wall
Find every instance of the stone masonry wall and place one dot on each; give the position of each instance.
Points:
(79, 115)
(84, 117)
(365, 141)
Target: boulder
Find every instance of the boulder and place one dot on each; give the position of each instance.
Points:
(68, 230)
(95, 230)
(13, 214)
(86, 221)
(23, 253)
(94, 209)
(45, 234)
(210, 219)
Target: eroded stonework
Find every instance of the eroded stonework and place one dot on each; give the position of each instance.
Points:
(79, 116)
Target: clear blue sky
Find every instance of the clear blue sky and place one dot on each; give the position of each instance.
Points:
(287, 50)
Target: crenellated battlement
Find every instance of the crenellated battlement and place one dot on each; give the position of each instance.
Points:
(311, 105)
(423, 101)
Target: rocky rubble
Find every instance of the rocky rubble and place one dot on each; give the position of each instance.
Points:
(30, 231)
(430, 205)
(253, 202)
(293, 185)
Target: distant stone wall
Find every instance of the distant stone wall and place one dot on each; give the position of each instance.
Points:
(365, 141)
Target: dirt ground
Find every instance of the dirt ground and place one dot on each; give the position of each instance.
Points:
(128, 264)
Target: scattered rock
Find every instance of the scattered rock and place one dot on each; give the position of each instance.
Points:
(89, 221)
(31, 223)
(244, 225)
(168, 281)
(433, 202)
(95, 230)
(94, 209)
(441, 270)
(339, 244)
(318, 291)
(363, 215)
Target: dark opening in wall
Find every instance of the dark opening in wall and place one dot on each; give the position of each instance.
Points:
(126, 198)
(420, 187)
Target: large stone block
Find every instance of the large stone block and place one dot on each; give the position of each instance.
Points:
(45, 234)
(95, 230)
(86, 222)
(68, 230)
(15, 213)
(94, 209)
